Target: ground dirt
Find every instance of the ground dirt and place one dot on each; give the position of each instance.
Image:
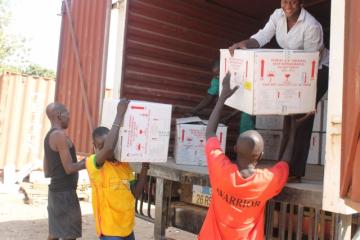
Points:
(29, 221)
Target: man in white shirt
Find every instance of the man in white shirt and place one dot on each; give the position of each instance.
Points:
(295, 29)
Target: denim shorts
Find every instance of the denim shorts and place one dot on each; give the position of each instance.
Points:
(130, 237)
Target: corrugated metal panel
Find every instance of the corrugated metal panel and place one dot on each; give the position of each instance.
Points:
(89, 19)
(350, 178)
(170, 46)
(23, 122)
(319, 8)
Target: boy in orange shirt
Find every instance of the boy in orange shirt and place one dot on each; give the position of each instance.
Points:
(240, 190)
(113, 183)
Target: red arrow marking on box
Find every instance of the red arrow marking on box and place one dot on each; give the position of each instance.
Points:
(246, 72)
(137, 107)
(313, 70)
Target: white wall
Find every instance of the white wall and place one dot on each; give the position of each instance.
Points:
(331, 196)
(116, 48)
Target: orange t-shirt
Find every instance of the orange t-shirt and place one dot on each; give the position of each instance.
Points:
(237, 205)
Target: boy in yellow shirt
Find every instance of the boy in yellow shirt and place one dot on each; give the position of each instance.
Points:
(113, 183)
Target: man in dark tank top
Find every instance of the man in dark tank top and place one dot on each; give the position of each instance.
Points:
(61, 165)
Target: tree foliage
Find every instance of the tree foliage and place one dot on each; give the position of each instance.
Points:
(11, 45)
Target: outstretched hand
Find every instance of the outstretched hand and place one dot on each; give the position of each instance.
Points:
(226, 91)
(122, 105)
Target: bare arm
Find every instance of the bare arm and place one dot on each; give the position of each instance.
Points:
(245, 44)
(138, 187)
(46, 167)
(110, 143)
(227, 118)
(205, 102)
(61, 145)
(215, 115)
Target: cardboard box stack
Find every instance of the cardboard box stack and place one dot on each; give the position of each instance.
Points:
(270, 127)
(273, 83)
(144, 136)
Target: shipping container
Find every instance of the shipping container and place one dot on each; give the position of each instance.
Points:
(161, 51)
(23, 122)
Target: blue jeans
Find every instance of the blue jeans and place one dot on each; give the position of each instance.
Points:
(130, 237)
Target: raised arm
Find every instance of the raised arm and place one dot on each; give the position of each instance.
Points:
(262, 37)
(230, 116)
(215, 115)
(205, 102)
(110, 143)
(245, 44)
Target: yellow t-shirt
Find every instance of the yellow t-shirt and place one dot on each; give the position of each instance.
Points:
(112, 200)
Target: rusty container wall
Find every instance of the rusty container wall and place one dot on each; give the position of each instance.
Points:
(350, 178)
(170, 47)
(89, 18)
(23, 122)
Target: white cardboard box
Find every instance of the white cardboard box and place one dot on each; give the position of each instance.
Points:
(272, 141)
(325, 104)
(271, 81)
(314, 150)
(145, 134)
(323, 148)
(190, 141)
(269, 122)
(318, 117)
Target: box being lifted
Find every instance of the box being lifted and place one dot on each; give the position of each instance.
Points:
(190, 141)
(144, 136)
(271, 81)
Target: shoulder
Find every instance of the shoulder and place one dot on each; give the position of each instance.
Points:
(125, 165)
(91, 163)
(213, 146)
(281, 166)
(57, 138)
(310, 20)
(57, 134)
(277, 14)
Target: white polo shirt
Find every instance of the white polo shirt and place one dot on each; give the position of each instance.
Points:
(306, 34)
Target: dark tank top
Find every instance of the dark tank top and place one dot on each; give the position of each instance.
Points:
(60, 181)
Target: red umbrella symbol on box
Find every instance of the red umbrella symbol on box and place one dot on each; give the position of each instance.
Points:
(287, 75)
(271, 75)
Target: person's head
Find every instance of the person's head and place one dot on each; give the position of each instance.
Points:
(249, 148)
(216, 67)
(292, 8)
(58, 115)
(99, 136)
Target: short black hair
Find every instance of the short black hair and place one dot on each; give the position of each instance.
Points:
(216, 63)
(100, 131)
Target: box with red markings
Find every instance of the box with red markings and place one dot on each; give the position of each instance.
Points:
(144, 136)
(271, 81)
(190, 141)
